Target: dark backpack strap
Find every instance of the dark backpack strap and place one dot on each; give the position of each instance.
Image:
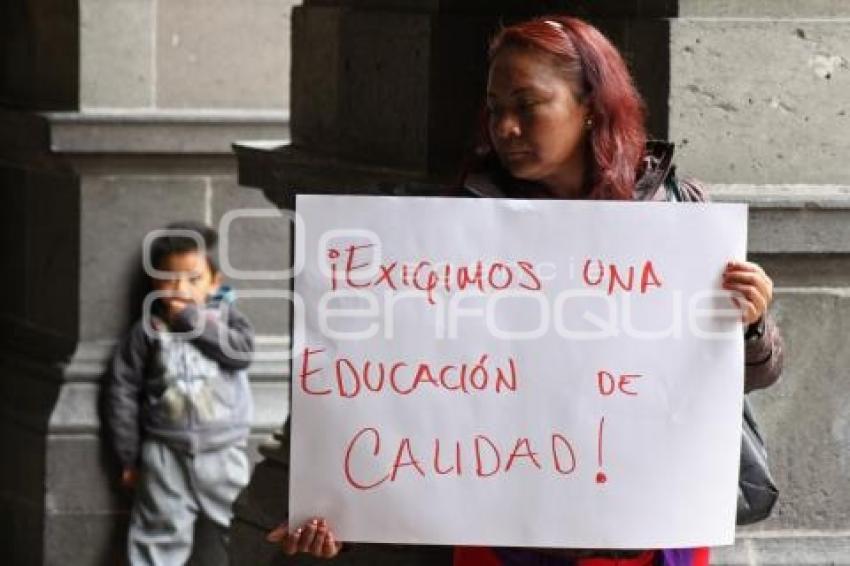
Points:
(686, 189)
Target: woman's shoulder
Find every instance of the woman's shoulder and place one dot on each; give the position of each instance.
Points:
(657, 179)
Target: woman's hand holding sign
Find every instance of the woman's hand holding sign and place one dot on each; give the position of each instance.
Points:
(752, 286)
(313, 537)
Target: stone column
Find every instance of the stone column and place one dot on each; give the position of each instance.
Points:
(116, 117)
(390, 91)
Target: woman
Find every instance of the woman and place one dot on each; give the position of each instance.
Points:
(563, 120)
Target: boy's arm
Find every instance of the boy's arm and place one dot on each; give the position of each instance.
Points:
(126, 374)
(229, 340)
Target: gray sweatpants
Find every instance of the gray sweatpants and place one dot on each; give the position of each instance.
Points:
(174, 487)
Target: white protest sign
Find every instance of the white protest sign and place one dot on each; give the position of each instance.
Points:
(516, 372)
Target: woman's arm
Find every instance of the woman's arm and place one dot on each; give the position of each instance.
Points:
(753, 290)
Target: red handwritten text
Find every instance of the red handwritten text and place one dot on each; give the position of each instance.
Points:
(479, 457)
(350, 379)
(608, 384)
(595, 273)
(351, 268)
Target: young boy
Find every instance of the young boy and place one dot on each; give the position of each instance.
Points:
(178, 401)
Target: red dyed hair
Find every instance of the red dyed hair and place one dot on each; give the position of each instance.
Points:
(599, 77)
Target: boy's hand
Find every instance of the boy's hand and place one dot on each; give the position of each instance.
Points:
(314, 537)
(176, 305)
(129, 478)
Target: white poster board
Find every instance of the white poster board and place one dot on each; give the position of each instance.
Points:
(516, 372)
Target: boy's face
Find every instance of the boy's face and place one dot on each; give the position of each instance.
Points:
(192, 280)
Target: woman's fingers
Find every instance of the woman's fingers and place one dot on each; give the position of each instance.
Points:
(313, 537)
(759, 280)
(744, 265)
(316, 548)
(749, 312)
(290, 543)
(331, 547)
(752, 302)
(754, 289)
(307, 535)
(745, 274)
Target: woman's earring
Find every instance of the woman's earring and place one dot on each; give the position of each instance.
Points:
(588, 123)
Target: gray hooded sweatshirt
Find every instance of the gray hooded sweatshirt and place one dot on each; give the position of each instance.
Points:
(185, 385)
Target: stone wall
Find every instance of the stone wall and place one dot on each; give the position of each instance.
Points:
(759, 103)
